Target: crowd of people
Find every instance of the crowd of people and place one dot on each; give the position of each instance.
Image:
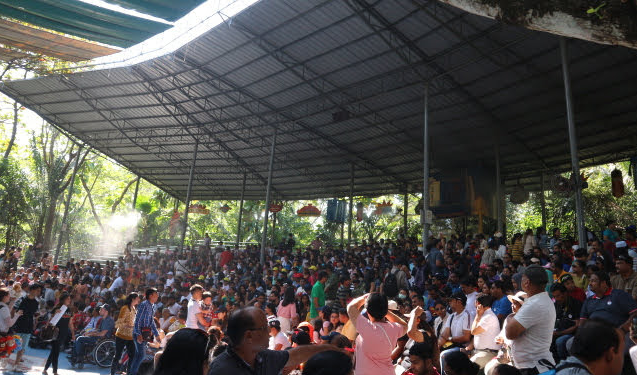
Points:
(459, 305)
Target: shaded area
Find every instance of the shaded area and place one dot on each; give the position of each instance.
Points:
(342, 82)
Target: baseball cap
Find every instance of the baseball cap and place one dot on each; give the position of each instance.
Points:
(624, 257)
(392, 305)
(329, 336)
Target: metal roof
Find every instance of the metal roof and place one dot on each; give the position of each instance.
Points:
(342, 82)
(28, 38)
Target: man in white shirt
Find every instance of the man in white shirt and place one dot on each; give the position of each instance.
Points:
(194, 308)
(484, 329)
(469, 286)
(119, 281)
(169, 279)
(457, 331)
(531, 329)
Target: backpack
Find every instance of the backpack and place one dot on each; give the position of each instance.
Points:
(563, 366)
(390, 287)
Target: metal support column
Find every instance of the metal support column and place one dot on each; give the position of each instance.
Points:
(240, 221)
(264, 235)
(405, 211)
(425, 186)
(135, 195)
(190, 177)
(543, 202)
(572, 137)
(351, 204)
(64, 229)
(498, 188)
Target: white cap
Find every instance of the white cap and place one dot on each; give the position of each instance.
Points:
(620, 244)
(575, 247)
(392, 305)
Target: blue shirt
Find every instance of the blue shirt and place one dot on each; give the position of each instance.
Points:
(614, 307)
(144, 319)
(434, 254)
(502, 306)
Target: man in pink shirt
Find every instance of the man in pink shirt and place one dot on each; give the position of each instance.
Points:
(378, 330)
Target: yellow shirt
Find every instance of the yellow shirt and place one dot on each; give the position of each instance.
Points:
(125, 322)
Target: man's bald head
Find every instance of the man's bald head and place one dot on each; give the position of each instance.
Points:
(247, 319)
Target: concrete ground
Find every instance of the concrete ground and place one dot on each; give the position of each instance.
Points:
(36, 358)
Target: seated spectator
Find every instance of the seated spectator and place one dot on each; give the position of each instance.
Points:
(501, 305)
(457, 331)
(567, 312)
(186, 353)
(613, 306)
(278, 339)
(420, 357)
(247, 353)
(329, 363)
(485, 328)
(440, 312)
(103, 328)
(573, 291)
(625, 279)
(598, 349)
(504, 369)
(458, 363)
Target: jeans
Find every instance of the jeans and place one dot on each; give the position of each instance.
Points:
(560, 346)
(80, 344)
(443, 356)
(119, 348)
(140, 353)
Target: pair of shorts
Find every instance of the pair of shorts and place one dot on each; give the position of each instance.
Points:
(24, 337)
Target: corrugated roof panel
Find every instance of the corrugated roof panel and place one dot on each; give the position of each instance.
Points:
(260, 89)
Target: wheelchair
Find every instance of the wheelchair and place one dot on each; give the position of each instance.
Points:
(101, 353)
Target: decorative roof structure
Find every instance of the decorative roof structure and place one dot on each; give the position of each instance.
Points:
(342, 82)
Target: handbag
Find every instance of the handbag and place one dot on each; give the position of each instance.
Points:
(49, 333)
(147, 334)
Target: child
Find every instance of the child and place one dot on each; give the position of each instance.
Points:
(207, 310)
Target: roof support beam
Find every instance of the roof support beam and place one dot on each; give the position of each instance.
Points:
(442, 73)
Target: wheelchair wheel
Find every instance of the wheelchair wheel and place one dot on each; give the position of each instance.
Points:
(104, 353)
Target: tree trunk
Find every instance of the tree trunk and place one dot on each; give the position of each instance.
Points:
(610, 22)
(13, 131)
(48, 224)
(90, 201)
(121, 196)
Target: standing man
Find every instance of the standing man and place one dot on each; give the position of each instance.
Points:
(27, 306)
(195, 315)
(144, 326)
(531, 329)
(317, 300)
